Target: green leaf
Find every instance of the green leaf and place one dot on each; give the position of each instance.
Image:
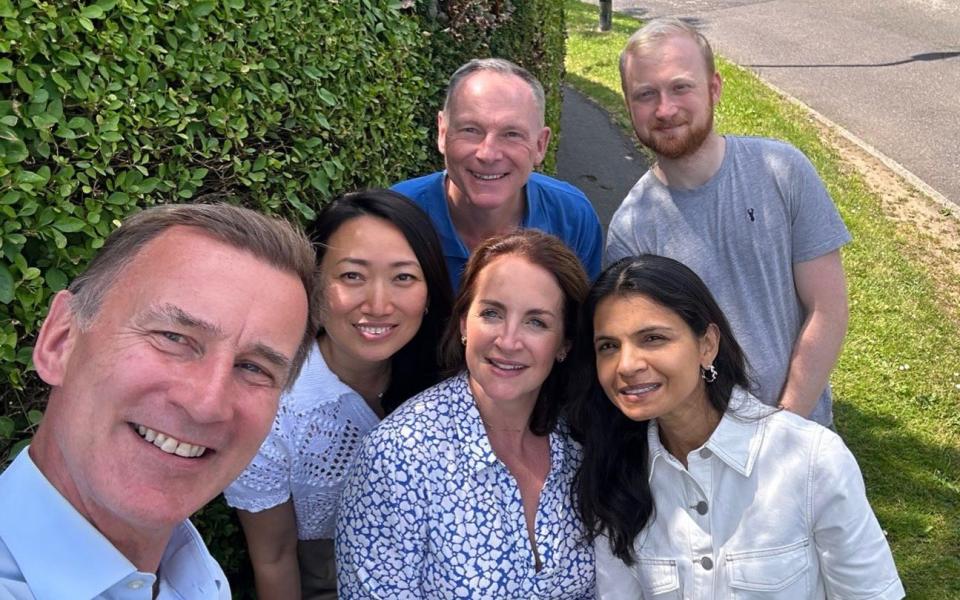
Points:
(111, 136)
(235, 4)
(328, 98)
(7, 10)
(92, 12)
(17, 449)
(86, 23)
(202, 9)
(118, 198)
(31, 273)
(9, 120)
(56, 279)
(23, 80)
(34, 417)
(7, 427)
(13, 151)
(6, 65)
(6, 286)
(68, 58)
(68, 224)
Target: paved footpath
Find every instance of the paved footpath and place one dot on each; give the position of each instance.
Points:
(886, 71)
(595, 155)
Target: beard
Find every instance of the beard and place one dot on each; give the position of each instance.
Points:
(678, 146)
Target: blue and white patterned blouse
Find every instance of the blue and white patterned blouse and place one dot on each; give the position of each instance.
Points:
(429, 511)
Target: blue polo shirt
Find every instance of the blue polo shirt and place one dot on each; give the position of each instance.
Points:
(553, 206)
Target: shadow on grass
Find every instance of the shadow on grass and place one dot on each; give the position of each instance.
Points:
(916, 501)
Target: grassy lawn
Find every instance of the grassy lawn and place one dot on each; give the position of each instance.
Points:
(897, 385)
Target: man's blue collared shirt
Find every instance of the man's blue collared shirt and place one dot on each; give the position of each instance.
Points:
(553, 206)
(48, 551)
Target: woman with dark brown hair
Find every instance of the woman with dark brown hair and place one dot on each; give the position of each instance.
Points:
(465, 491)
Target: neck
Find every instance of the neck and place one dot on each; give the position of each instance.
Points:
(142, 544)
(473, 224)
(685, 430)
(369, 379)
(508, 420)
(695, 169)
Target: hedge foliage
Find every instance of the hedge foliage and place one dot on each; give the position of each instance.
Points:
(109, 106)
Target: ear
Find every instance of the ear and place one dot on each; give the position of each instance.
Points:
(716, 87)
(709, 345)
(463, 325)
(543, 139)
(564, 350)
(441, 132)
(58, 334)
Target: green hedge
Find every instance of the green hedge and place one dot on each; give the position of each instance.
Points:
(113, 105)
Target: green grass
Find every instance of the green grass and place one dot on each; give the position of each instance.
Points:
(897, 384)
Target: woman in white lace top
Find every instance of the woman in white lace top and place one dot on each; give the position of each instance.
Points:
(386, 299)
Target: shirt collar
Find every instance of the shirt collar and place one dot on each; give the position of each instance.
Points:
(477, 450)
(45, 534)
(735, 441)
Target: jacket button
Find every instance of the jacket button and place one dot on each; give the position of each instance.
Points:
(702, 507)
(706, 563)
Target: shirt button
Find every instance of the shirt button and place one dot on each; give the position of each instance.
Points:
(702, 507)
(706, 563)
(136, 584)
(705, 453)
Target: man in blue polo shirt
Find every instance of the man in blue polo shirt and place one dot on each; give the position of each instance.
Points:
(492, 135)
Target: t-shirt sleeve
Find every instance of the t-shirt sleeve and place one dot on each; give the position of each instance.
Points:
(265, 482)
(591, 245)
(817, 227)
(855, 558)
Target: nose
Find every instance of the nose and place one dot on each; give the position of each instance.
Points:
(666, 107)
(378, 300)
(207, 396)
(632, 361)
(489, 149)
(509, 337)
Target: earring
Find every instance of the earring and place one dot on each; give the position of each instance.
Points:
(561, 357)
(463, 340)
(709, 373)
(426, 309)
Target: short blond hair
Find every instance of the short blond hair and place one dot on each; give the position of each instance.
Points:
(656, 31)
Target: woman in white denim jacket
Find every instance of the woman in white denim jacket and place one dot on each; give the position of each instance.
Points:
(689, 486)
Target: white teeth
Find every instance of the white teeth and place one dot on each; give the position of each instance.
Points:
(489, 177)
(370, 330)
(504, 367)
(640, 389)
(169, 444)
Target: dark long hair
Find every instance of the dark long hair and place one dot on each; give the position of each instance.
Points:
(545, 251)
(612, 488)
(414, 367)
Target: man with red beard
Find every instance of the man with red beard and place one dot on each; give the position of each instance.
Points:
(749, 215)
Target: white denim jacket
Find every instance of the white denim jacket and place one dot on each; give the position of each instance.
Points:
(773, 506)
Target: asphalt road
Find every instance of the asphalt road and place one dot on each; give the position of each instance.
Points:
(887, 71)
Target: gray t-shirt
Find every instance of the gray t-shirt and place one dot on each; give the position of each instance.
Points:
(762, 212)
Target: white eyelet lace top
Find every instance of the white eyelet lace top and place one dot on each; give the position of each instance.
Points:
(308, 452)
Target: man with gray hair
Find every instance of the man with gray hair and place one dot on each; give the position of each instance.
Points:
(492, 135)
(749, 215)
(166, 360)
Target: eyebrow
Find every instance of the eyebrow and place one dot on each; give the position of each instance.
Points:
(502, 306)
(603, 336)
(171, 313)
(366, 263)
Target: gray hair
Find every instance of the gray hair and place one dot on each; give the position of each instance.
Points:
(272, 240)
(653, 33)
(503, 67)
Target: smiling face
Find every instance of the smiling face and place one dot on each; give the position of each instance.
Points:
(671, 96)
(491, 137)
(374, 292)
(167, 394)
(648, 358)
(514, 330)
